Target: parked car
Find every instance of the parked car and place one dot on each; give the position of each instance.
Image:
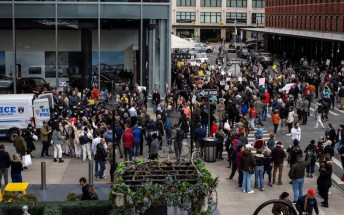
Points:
(201, 57)
(6, 83)
(243, 52)
(265, 58)
(32, 85)
(203, 48)
(193, 40)
(232, 48)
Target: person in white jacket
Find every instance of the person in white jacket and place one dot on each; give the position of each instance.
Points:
(296, 132)
(86, 147)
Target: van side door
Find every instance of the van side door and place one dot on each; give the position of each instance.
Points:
(41, 111)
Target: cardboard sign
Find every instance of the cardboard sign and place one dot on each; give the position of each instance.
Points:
(223, 83)
(327, 62)
(261, 81)
(240, 79)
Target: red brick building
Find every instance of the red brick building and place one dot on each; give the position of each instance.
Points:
(311, 28)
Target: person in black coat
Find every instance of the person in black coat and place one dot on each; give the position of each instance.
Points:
(5, 163)
(87, 190)
(324, 180)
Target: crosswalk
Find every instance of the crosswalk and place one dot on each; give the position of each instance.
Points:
(250, 140)
(334, 112)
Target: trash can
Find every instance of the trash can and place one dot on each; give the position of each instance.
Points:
(210, 149)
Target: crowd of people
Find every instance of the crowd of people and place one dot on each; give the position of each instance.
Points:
(84, 127)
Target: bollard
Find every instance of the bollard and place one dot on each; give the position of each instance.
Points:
(43, 176)
(90, 172)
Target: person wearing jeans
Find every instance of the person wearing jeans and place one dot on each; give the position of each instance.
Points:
(16, 168)
(247, 163)
(259, 170)
(137, 139)
(297, 175)
(100, 158)
(128, 142)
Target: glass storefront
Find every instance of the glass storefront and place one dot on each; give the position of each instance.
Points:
(86, 44)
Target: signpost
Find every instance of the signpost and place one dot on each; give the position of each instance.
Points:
(208, 93)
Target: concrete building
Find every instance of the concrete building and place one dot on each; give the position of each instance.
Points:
(299, 28)
(81, 41)
(210, 20)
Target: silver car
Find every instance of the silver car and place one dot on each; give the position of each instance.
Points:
(6, 82)
(265, 58)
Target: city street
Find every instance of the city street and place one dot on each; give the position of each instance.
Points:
(62, 178)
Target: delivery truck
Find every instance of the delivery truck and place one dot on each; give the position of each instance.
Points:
(18, 110)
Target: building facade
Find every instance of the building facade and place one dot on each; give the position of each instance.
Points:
(305, 28)
(212, 20)
(79, 42)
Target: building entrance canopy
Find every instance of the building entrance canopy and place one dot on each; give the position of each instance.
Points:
(299, 33)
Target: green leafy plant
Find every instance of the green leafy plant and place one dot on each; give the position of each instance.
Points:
(13, 197)
(73, 197)
(164, 189)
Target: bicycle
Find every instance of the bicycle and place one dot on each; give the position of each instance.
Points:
(167, 149)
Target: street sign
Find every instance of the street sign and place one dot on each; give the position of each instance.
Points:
(180, 56)
(208, 92)
(235, 62)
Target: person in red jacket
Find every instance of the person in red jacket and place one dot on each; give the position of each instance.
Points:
(214, 128)
(128, 142)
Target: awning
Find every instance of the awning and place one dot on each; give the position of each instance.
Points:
(300, 33)
(180, 43)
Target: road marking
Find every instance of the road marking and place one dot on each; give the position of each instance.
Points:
(339, 110)
(336, 161)
(331, 112)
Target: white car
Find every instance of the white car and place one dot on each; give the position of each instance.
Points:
(201, 57)
(203, 48)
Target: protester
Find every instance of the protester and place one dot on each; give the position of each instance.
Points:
(278, 156)
(248, 164)
(307, 203)
(87, 190)
(57, 138)
(5, 163)
(297, 175)
(16, 168)
(279, 208)
(45, 131)
(100, 158)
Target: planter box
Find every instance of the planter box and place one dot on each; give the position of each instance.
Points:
(161, 210)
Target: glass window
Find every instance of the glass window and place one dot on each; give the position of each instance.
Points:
(186, 3)
(211, 3)
(185, 17)
(258, 18)
(236, 17)
(210, 17)
(236, 3)
(258, 3)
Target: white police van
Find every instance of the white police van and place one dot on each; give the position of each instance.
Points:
(18, 110)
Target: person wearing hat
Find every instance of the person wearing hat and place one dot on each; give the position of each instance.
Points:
(307, 203)
(280, 208)
(278, 156)
(45, 132)
(297, 175)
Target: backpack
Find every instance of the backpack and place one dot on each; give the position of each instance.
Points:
(180, 135)
(66, 134)
(84, 139)
(313, 154)
(167, 123)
